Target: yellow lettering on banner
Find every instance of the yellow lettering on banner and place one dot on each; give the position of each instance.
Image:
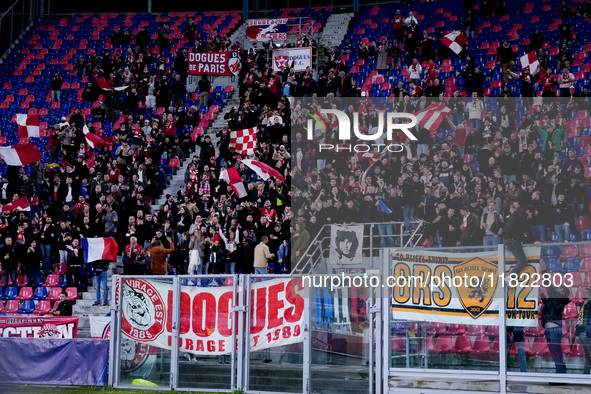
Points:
(421, 287)
(444, 297)
(401, 270)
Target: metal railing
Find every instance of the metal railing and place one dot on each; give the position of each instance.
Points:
(319, 248)
(15, 21)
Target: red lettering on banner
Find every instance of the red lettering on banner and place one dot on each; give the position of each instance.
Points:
(294, 314)
(258, 310)
(275, 306)
(211, 346)
(224, 314)
(199, 347)
(185, 313)
(204, 306)
(189, 344)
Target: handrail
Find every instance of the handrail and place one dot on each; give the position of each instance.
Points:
(318, 247)
(9, 8)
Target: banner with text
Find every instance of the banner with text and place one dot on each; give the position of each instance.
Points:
(215, 63)
(206, 324)
(264, 30)
(461, 288)
(38, 327)
(297, 58)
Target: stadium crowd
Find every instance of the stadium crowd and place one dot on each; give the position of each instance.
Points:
(462, 183)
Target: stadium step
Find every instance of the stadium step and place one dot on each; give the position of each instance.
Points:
(335, 29)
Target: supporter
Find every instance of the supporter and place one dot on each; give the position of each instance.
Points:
(101, 277)
(563, 218)
(469, 227)
(64, 308)
(492, 224)
(505, 56)
(583, 330)
(75, 262)
(159, 254)
(56, 87)
(555, 299)
(262, 256)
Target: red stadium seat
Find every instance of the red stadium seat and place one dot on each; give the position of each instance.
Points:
(10, 307)
(54, 294)
(481, 345)
(25, 294)
(443, 345)
(565, 346)
(569, 251)
(492, 331)
(456, 329)
(576, 350)
(462, 345)
(475, 330)
(539, 347)
(583, 222)
(437, 328)
(51, 281)
(72, 293)
(43, 308)
(570, 312)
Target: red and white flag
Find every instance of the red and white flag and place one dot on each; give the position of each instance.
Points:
(432, 116)
(530, 60)
(20, 155)
(455, 41)
(103, 84)
(99, 249)
(28, 125)
(264, 171)
(252, 32)
(93, 140)
(371, 157)
(20, 204)
(233, 179)
(244, 141)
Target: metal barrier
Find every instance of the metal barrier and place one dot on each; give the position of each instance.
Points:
(297, 334)
(15, 20)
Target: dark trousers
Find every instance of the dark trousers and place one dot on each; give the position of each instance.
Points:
(553, 338)
(516, 249)
(12, 274)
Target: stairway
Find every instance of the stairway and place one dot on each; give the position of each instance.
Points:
(178, 180)
(335, 29)
(83, 308)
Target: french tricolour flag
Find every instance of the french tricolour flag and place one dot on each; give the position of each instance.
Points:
(20, 155)
(99, 249)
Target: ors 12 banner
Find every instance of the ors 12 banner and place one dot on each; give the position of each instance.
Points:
(215, 63)
(298, 58)
(207, 321)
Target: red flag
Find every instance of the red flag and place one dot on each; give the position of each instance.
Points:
(432, 116)
(263, 170)
(233, 179)
(28, 125)
(20, 204)
(20, 155)
(244, 141)
(103, 84)
(252, 32)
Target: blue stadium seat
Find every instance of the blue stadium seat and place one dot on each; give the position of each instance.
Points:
(27, 307)
(40, 293)
(571, 265)
(575, 236)
(553, 265)
(10, 293)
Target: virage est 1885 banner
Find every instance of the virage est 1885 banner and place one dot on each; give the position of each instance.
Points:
(462, 288)
(215, 63)
(207, 323)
